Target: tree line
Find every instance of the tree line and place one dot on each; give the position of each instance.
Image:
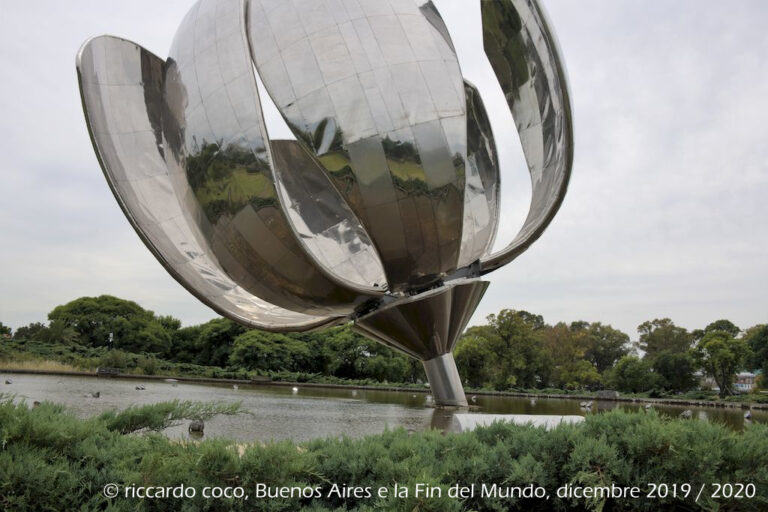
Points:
(513, 350)
(516, 349)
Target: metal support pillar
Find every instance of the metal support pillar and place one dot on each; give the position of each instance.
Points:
(445, 381)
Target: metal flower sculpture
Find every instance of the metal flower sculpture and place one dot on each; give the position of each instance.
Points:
(383, 210)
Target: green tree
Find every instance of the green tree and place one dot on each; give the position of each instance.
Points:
(723, 325)
(579, 374)
(474, 360)
(169, 323)
(659, 335)
(184, 344)
(259, 350)
(29, 332)
(4, 329)
(605, 345)
(721, 355)
(757, 339)
(346, 354)
(215, 341)
(58, 332)
(676, 370)
(515, 338)
(108, 321)
(339, 350)
(632, 375)
(384, 366)
(567, 347)
(151, 337)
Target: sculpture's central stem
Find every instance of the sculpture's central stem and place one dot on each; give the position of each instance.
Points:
(427, 326)
(445, 381)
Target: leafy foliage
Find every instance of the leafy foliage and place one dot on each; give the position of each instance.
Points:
(676, 370)
(633, 374)
(518, 350)
(721, 355)
(53, 461)
(606, 345)
(757, 339)
(659, 335)
(162, 415)
(257, 350)
(513, 350)
(114, 323)
(28, 332)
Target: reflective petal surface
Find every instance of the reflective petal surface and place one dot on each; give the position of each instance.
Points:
(526, 59)
(219, 147)
(322, 219)
(374, 91)
(481, 193)
(121, 86)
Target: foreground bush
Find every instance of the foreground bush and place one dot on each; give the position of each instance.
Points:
(50, 460)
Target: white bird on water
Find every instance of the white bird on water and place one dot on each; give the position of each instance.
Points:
(295, 390)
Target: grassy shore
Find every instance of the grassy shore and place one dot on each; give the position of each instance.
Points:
(45, 365)
(51, 460)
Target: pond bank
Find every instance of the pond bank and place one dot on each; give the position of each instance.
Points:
(266, 381)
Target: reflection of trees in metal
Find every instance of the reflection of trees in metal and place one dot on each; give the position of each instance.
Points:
(505, 46)
(226, 181)
(385, 208)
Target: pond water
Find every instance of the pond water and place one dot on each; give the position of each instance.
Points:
(277, 412)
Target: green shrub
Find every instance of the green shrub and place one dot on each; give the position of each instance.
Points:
(148, 365)
(162, 415)
(115, 359)
(51, 460)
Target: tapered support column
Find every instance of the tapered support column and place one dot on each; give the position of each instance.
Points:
(425, 325)
(445, 381)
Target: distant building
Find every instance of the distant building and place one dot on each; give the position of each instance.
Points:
(745, 382)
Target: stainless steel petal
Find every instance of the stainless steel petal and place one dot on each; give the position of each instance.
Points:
(121, 86)
(481, 187)
(326, 225)
(219, 150)
(526, 58)
(375, 93)
(481, 192)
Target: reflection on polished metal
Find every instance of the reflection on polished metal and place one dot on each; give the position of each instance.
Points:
(384, 209)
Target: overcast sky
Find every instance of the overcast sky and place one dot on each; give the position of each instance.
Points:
(666, 214)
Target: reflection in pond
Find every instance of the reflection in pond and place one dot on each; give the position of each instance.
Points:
(303, 413)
